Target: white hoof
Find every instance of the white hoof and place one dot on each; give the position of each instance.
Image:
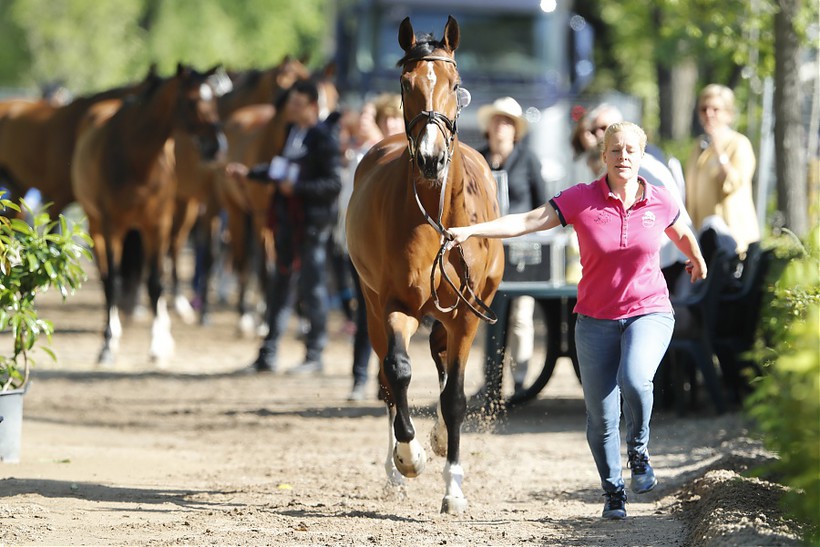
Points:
(409, 458)
(438, 439)
(184, 310)
(453, 505)
(162, 349)
(246, 326)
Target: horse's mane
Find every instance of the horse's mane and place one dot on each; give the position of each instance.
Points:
(424, 46)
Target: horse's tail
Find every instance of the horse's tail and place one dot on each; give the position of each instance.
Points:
(131, 269)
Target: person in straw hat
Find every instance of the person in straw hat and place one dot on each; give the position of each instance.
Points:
(504, 125)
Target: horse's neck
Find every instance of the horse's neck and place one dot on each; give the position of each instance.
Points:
(145, 127)
(153, 121)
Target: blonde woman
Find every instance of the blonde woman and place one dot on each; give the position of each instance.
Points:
(625, 318)
(720, 168)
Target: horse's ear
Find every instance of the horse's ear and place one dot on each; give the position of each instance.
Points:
(407, 38)
(452, 34)
(211, 71)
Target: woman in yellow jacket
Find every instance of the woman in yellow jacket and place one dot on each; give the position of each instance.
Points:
(719, 171)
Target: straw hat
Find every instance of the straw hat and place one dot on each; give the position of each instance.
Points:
(505, 106)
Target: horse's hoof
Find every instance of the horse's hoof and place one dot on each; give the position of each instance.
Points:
(438, 440)
(205, 319)
(453, 505)
(106, 357)
(409, 458)
(184, 310)
(247, 326)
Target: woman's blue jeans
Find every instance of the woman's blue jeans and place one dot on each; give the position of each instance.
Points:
(619, 357)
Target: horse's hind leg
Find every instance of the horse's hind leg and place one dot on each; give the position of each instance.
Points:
(107, 262)
(408, 454)
(162, 343)
(438, 349)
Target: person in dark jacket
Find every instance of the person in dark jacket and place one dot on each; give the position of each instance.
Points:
(305, 206)
(512, 161)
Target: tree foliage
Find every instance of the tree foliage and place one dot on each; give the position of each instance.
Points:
(90, 45)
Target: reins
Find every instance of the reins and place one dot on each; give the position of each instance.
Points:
(445, 125)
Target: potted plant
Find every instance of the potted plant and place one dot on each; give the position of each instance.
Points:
(34, 257)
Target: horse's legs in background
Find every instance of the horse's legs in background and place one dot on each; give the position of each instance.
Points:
(107, 263)
(185, 216)
(162, 343)
(438, 349)
(239, 227)
(408, 453)
(453, 409)
(204, 259)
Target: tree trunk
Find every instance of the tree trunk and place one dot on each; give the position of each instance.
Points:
(677, 95)
(790, 161)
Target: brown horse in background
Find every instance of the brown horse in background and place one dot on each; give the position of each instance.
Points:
(122, 177)
(401, 185)
(255, 135)
(37, 143)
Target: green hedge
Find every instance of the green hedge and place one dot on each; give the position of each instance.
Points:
(785, 404)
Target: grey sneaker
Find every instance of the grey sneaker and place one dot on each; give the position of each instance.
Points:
(643, 476)
(357, 393)
(615, 505)
(308, 367)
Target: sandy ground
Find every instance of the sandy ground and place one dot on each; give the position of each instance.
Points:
(198, 453)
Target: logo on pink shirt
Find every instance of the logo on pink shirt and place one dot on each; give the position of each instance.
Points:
(648, 219)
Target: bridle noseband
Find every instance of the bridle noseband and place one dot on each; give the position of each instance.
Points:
(445, 125)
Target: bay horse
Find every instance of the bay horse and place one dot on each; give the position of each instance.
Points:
(37, 143)
(401, 186)
(122, 176)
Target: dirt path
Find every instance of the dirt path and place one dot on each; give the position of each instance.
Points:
(198, 454)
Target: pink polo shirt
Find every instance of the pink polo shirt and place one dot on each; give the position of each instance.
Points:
(621, 274)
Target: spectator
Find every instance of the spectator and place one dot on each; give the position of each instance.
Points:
(389, 114)
(307, 178)
(720, 168)
(625, 318)
(503, 126)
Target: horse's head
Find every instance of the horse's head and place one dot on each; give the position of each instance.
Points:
(198, 114)
(429, 89)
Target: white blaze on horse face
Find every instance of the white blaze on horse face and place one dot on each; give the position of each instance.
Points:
(206, 93)
(427, 142)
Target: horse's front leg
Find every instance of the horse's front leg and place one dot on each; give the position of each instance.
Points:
(162, 343)
(408, 454)
(453, 409)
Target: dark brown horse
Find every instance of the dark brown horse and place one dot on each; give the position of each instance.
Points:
(407, 190)
(37, 144)
(123, 178)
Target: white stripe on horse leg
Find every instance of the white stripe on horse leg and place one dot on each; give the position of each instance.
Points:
(162, 343)
(454, 500)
